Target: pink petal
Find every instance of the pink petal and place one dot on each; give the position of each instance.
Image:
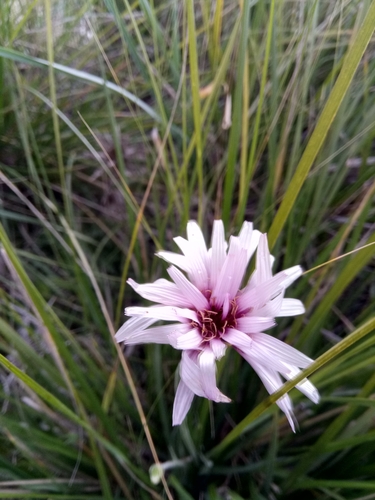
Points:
(193, 296)
(218, 348)
(182, 402)
(292, 273)
(263, 356)
(306, 387)
(271, 308)
(156, 335)
(133, 325)
(190, 373)
(168, 313)
(218, 251)
(197, 265)
(249, 238)
(272, 382)
(176, 259)
(231, 274)
(238, 339)
(251, 324)
(207, 365)
(263, 262)
(257, 296)
(196, 238)
(282, 351)
(189, 340)
(291, 307)
(226, 305)
(195, 378)
(161, 291)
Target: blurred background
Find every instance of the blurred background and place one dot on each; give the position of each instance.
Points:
(120, 121)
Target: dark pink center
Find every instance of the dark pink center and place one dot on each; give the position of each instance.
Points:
(212, 324)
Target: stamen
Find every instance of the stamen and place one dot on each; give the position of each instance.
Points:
(214, 322)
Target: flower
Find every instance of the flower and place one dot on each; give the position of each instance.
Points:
(209, 312)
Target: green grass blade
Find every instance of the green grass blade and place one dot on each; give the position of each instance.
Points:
(332, 353)
(349, 67)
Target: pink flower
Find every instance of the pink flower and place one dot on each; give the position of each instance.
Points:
(210, 311)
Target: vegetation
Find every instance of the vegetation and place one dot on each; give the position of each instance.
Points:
(119, 122)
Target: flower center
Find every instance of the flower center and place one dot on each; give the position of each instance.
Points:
(213, 323)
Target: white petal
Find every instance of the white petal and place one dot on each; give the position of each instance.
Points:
(189, 340)
(306, 387)
(206, 360)
(156, 335)
(281, 350)
(190, 372)
(231, 274)
(226, 305)
(237, 339)
(182, 402)
(168, 313)
(161, 291)
(264, 357)
(218, 251)
(263, 262)
(218, 348)
(271, 308)
(207, 365)
(272, 382)
(193, 296)
(249, 238)
(133, 326)
(292, 273)
(251, 324)
(255, 297)
(291, 307)
(196, 238)
(176, 259)
(198, 273)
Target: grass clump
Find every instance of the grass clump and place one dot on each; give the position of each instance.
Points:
(119, 122)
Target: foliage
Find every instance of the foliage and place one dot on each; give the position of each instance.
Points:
(114, 133)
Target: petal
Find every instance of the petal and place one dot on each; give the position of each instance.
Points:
(231, 274)
(282, 351)
(161, 291)
(272, 382)
(249, 238)
(264, 357)
(292, 273)
(218, 252)
(168, 313)
(176, 259)
(252, 324)
(271, 308)
(156, 335)
(218, 348)
(182, 402)
(190, 373)
(291, 307)
(238, 339)
(306, 387)
(133, 326)
(226, 305)
(193, 296)
(256, 296)
(196, 238)
(263, 270)
(207, 365)
(189, 340)
(198, 273)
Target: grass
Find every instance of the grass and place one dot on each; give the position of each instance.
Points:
(111, 139)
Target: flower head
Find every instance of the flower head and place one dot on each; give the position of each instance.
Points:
(209, 311)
